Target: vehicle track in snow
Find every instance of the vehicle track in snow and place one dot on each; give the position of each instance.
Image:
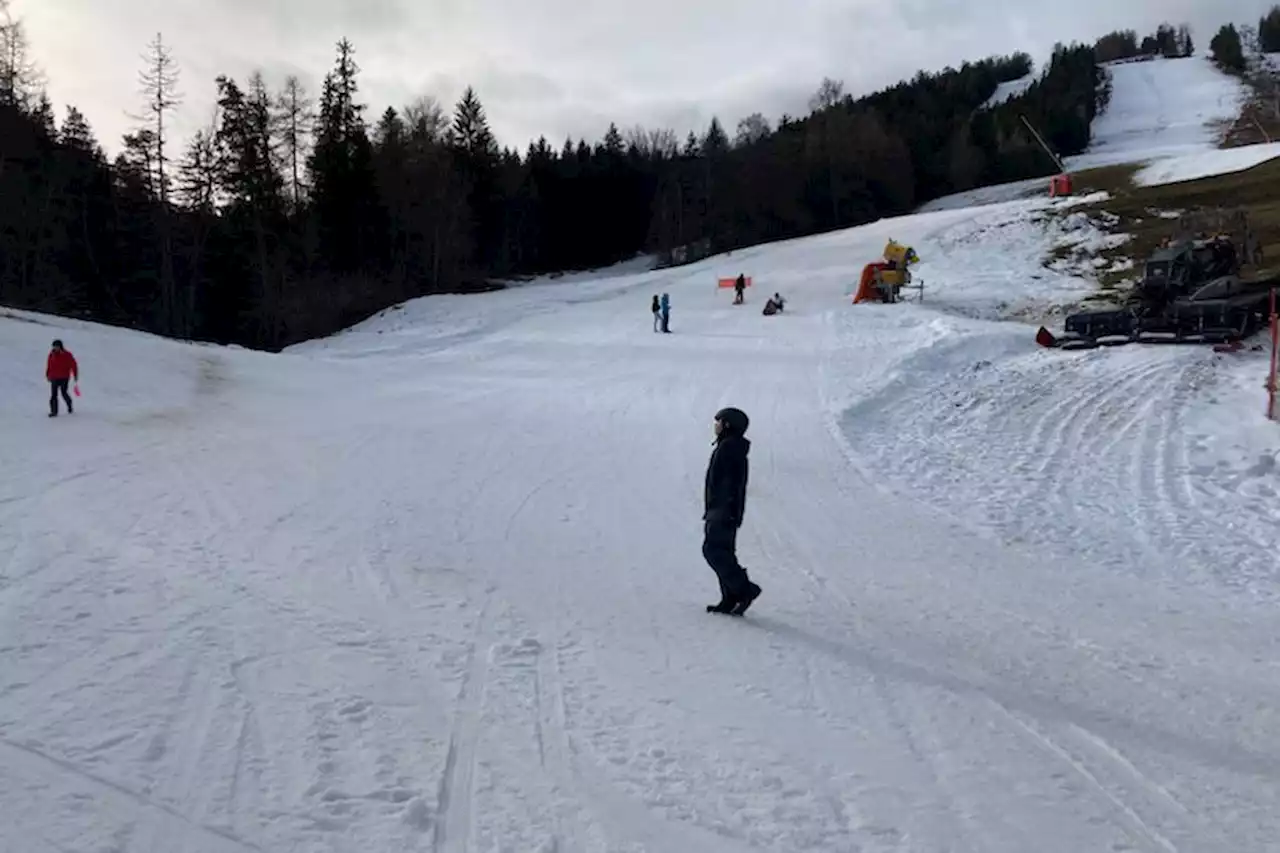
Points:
(1042, 448)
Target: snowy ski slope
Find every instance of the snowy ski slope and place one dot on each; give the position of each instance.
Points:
(435, 583)
(1167, 113)
(1162, 108)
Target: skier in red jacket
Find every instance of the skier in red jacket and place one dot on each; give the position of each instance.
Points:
(60, 370)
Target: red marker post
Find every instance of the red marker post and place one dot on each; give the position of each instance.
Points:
(1275, 359)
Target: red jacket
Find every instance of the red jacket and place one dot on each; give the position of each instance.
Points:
(62, 365)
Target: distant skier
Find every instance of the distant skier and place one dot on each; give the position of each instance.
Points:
(725, 498)
(739, 289)
(657, 318)
(665, 305)
(60, 370)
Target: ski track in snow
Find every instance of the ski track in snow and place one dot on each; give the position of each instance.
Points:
(434, 584)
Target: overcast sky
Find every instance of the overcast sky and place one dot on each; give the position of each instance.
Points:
(564, 67)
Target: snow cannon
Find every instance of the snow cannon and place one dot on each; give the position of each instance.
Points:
(883, 280)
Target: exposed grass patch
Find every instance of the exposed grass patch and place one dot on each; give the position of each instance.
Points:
(1259, 119)
(1108, 179)
(1149, 216)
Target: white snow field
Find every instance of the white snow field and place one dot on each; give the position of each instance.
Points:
(1206, 164)
(1009, 90)
(435, 583)
(1168, 114)
(1162, 108)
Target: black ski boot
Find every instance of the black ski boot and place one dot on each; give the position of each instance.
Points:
(725, 606)
(740, 607)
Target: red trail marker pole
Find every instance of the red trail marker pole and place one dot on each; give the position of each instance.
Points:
(1275, 359)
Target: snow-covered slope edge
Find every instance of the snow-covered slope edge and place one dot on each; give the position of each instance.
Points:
(1073, 453)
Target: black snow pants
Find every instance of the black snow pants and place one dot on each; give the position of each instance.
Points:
(56, 386)
(719, 548)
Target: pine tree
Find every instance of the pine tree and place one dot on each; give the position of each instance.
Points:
(254, 191)
(613, 144)
(76, 134)
(1227, 50)
(476, 154)
(1269, 31)
(471, 133)
(198, 174)
(341, 169)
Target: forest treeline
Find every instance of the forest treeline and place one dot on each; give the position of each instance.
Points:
(295, 214)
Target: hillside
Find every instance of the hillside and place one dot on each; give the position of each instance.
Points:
(1170, 113)
(383, 203)
(435, 582)
(1162, 108)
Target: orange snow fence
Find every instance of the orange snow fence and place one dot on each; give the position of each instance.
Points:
(730, 282)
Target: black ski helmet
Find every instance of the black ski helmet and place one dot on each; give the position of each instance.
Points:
(734, 420)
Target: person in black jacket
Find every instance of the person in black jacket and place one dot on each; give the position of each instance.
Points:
(724, 499)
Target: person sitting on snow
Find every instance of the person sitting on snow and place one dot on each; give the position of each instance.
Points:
(774, 305)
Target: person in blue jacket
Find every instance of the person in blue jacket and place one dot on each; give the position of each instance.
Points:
(665, 304)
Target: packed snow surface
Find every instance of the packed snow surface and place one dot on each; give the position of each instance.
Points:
(1168, 114)
(1191, 167)
(993, 194)
(435, 583)
(1162, 108)
(1008, 90)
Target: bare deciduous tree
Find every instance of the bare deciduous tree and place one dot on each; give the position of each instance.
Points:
(751, 129)
(159, 79)
(294, 120)
(426, 119)
(20, 78)
(828, 95)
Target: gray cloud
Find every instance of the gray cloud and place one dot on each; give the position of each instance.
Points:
(565, 67)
